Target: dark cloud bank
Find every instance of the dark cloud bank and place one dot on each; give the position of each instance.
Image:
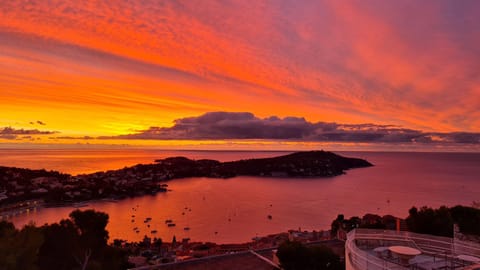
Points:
(13, 133)
(244, 125)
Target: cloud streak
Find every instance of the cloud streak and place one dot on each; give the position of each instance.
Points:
(10, 133)
(244, 125)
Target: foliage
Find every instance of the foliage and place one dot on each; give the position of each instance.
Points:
(91, 226)
(294, 255)
(345, 224)
(57, 252)
(440, 221)
(76, 243)
(18, 248)
(337, 224)
(467, 218)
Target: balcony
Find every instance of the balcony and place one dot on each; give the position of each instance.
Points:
(367, 249)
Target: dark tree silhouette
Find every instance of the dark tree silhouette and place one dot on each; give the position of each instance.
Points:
(294, 255)
(440, 221)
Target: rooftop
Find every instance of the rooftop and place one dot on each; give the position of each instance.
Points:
(245, 260)
(383, 249)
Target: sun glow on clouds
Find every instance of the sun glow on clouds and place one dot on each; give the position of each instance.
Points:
(105, 69)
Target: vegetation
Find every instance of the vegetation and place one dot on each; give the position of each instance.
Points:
(368, 221)
(425, 220)
(440, 221)
(79, 242)
(294, 255)
(18, 249)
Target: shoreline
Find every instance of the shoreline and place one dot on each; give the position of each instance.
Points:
(142, 179)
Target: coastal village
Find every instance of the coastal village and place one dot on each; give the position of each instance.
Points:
(21, 187)
(153, 251)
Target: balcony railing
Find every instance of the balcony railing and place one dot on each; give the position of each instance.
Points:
(361, 242)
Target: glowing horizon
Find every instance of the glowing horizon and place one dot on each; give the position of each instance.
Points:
(90, 70)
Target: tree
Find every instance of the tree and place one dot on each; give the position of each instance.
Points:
(92, 226)
(431, 221)
(157, 242)
(92, 237)
(80, 243)
(76, 243)
(27, 243)
(337, 224)
(467, 218)
(57, 252)
(293, 255)
(18, 248)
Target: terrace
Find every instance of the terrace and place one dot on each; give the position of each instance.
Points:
(367, 249)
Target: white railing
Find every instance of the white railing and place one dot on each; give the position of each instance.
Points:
(428, 244)
(361, 260)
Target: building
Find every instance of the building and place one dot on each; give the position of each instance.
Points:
(367, 249)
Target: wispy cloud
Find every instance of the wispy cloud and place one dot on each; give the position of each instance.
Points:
(38, 122)
(72, 138)
(244, 125)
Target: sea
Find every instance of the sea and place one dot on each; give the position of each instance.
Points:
(236, 210)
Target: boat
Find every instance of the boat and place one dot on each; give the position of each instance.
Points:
(171, 225)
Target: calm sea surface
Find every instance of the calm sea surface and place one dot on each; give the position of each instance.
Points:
(235, 210)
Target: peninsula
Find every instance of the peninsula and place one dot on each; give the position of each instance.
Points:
(18, 185)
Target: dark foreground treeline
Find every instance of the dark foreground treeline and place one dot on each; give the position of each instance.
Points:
(79, 242)
(425, 220)
(440, 221)
(294, 255)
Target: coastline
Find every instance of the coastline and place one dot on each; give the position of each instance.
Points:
(142, 179)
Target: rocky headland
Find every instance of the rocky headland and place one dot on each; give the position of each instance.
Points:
(17, 185)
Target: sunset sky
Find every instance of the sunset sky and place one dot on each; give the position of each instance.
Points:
(244, 73)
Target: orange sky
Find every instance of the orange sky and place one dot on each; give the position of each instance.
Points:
(102, 68)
